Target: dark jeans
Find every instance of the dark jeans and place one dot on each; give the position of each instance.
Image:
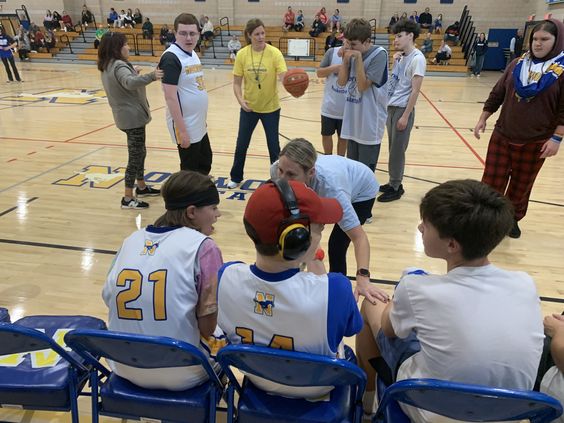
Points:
(197, 157)
(339, 240)
(137, 152)
(5, 60)
(477, 68)
(247, 124)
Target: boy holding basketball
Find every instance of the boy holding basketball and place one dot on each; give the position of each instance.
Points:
(364, 75)
(476, 324)
(272, 303)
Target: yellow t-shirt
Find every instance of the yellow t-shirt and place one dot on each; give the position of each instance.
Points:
(260, 69)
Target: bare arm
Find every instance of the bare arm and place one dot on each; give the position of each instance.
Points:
(238, 91)
(551, 147)
(171, 98)
(416, 82)
(362, 254)
(554, 327)
(343, 75)
(326, 71)
(481, 125)
(207, 308)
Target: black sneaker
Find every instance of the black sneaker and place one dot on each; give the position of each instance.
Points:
(386, 188)
(134, 203)
(392, 195)
(147, 192)
(515, 232)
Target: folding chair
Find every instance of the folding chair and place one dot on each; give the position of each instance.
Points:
(293, 369)
(4, 315)
(117, 397)
(459, 401)
(36, 371)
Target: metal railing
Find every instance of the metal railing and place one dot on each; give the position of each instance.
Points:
(225, 21)
(143, 44)
(64, 38)
(79, 30)
(217, 31)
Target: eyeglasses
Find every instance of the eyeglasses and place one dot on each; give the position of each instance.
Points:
(186, 34)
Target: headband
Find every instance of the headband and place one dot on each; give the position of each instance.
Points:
(198, 199)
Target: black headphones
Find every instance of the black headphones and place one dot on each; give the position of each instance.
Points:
(294, 236)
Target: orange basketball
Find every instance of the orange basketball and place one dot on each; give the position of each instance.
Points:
(296, 82)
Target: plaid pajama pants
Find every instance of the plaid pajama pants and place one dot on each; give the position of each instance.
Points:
(511, 169)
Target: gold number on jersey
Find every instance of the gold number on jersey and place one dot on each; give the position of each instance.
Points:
(133, 279)
(200, 82)
(280, 342)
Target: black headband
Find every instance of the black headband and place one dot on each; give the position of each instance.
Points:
(197, 199)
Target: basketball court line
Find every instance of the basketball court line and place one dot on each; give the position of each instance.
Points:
(16, 207)
(453, 128)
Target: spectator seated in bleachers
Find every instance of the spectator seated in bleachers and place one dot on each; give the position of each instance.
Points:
(128, 20)
(300, 24)
(414, 16)
(119, 22)
(438, 24)
(48, 19)
(86, 17)
(334, 39)
(57, 19)
(163, 34)
(112, 17)
(426, 20)
(323, 18)
(335, 21)
(37, 40)
(452, 33)
(147, 29)
(427, 46)
(444, 53)
(50, 40)
(393, 20)
(317, 27)
(233, 46)
(66, 22)
(288, 20)
(99, 34)
(24, 43)
(138, 17)
(207, 31)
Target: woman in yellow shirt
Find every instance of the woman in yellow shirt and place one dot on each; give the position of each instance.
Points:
(258, 64)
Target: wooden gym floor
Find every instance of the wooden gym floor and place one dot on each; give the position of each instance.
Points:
(62, 162)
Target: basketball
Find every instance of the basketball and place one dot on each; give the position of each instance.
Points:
(296, 82)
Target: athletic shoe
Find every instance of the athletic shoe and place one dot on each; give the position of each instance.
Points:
(369, 220)
(386, 188)
(233, 184)
(515, 232)
(134, 203)
(391, 195)
(147, 192)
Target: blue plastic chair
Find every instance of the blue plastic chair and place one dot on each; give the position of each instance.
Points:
(459, 401)
(36, 372)
(294, 369)
(117, 397)
(4, 315)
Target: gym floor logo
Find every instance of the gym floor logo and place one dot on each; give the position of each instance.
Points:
(106, 177)
(58, 96)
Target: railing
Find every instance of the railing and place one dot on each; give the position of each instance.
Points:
(218, 31)
(64, 38)
(143, 44)
(79, 30)
(225, 21)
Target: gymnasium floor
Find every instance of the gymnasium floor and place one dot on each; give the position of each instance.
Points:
(62, 162)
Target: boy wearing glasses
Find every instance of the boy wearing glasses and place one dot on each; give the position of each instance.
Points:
(186, 96)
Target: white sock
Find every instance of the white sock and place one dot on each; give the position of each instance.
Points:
(370, 402)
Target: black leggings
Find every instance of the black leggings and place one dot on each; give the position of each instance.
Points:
(339, 241)
(5, 60)
(136, 156)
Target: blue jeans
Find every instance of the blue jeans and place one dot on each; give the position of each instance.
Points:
(247, 124)
(477, 68)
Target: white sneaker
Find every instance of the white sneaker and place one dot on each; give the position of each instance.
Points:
(368, 221)
(233, 184)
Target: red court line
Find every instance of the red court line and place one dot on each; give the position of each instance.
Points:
(454, 129)
(33, 152)
(11, 160)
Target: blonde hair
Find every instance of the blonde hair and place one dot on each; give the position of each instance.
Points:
(302, 152)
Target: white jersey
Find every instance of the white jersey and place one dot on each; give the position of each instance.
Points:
(399, 87)
(333, 103)
(365, 114)
(291, 310)
(192, 96)
(151, 290)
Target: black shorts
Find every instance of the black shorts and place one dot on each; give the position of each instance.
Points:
(330, 125)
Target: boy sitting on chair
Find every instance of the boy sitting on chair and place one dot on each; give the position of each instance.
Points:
(476, 324)
(272, 303)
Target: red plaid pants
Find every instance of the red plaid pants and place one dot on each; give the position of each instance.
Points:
(511, 169)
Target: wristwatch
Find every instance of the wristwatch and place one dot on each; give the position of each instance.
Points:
(363, 272)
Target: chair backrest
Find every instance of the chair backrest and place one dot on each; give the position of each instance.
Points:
(472, 402)
(4, 315)
(15, 339)
(141, 351)
(290, 367)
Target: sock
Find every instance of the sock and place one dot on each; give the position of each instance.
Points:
(369, 402)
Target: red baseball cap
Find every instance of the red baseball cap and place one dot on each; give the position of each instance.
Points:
(266, 210)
